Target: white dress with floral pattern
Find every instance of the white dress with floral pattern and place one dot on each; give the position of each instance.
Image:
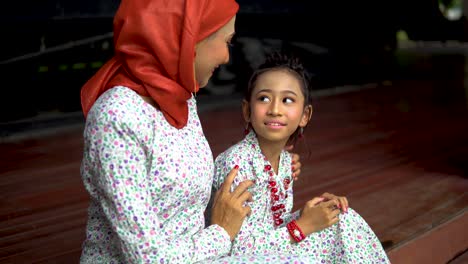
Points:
(351, 240)
(149, 185)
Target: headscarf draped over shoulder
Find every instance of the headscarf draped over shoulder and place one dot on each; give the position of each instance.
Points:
(154, 44)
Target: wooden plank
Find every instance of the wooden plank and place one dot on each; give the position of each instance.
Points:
(396, 153)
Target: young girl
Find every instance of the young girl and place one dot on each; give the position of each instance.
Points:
(276, 109)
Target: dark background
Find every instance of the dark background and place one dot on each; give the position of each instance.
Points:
(50, 48)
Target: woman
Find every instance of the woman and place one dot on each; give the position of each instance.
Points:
(147, 165)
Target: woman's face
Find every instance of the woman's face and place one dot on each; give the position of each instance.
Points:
(212, 52)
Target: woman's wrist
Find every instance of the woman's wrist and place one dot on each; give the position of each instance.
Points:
(226, 232)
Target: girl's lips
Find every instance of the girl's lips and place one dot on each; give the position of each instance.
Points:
(274, 125)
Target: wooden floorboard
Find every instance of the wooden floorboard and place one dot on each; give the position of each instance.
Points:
(399, 153)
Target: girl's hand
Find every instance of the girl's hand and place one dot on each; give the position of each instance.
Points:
(342, 201)
(229, 209)
(317, 215)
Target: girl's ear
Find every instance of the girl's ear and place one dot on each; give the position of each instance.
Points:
(306, 116)
(246, 110)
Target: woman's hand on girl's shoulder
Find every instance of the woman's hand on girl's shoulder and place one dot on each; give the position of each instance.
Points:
(229, 207)
(295, 166)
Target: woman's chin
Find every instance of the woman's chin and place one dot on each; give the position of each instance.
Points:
(202, 84)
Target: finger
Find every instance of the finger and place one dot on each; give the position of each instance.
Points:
(247, 210)
(334, 220)
(332, 197)
(315, 201)
(245, 197)
(346, 204)
(335, 213)
(241, 188)
(297, 166)
(295, 158)
(329, 204)
(295, 175)
(342, 204)
(328, 196)
(226, 187)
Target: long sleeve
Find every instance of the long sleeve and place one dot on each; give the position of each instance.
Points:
(257, 234)
(130, 201)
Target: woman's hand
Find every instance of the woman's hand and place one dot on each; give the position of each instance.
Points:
(317, 215)
(342, 201)
(295, 166)
(229, 209)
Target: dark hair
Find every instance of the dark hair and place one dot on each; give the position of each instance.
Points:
(290, 63)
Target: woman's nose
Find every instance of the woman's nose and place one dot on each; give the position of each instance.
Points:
(226, 57)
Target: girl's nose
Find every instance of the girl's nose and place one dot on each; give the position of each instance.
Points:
(275, 108)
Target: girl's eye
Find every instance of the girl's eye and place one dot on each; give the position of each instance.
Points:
(288, 100)
(263, 99)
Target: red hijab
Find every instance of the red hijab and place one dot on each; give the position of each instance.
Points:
(155, 51)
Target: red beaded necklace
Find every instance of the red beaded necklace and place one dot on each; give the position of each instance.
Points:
(276, 194)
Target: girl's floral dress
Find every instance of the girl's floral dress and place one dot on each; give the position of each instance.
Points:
(149, 185)
(351, 240)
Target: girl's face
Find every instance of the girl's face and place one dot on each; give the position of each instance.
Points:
(276, 107)
(212, 52)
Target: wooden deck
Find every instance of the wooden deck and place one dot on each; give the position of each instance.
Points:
(398, 152)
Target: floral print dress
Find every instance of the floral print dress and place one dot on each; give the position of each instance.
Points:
(351, 240)
(149, 185)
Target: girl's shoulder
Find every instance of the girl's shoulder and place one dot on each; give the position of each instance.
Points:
(235, 153)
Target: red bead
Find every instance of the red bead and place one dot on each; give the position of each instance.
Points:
(267, 167)
(271, 173)
(272, 183)
(274, 190)
(276, 197)
(287, 181)
(281, 206)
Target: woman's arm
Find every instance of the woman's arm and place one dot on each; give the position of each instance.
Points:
(117, 156)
